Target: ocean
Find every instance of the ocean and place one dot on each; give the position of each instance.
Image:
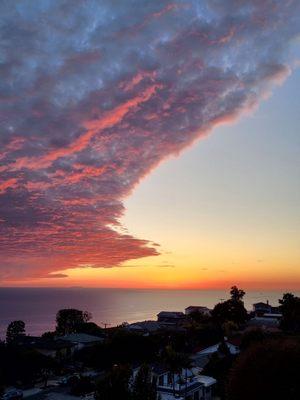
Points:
(37, 307)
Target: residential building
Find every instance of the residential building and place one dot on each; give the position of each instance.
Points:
(188, 384)
(208, 351)
(260, 309)
(171, 318)
(82, 340)
(144, 327)
(197, 309)
(54, 348)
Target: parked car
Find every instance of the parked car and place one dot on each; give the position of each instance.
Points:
(13, 394)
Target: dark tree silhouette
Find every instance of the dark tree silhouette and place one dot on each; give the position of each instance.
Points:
(267, 371)
(290, 309)
(14, 330)
(143, 387)
(236, 293)
(252, 337)
(115, 385)
(232, 309)
(174, 361)
(69, 320)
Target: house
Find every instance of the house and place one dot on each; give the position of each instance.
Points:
(200, 361)
(171, 318)
(144, 327)
(267, 322)
(197, 309)
(57, 349)
(82, 340)
(188, 384)
(261, 309)
(54, 348)
(208, 351)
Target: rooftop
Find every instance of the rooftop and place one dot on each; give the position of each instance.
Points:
(82, 338)
(171, 314)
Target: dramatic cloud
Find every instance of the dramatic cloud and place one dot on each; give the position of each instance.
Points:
(94, 94)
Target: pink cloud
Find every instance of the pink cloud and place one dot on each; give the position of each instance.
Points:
(102, 94)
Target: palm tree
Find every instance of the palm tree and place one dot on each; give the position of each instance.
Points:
(186, 364)
(173, 361)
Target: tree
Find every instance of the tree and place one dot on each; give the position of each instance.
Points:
(252, 337)
(266, 371)
(290, 309)
(186, 364)
(232, 309)
(173, 360)
(90, 328)
(218, 367)
(143, 387)
(115, 385)
(68, 320)
(223, 349)
(14, 330)
(236, 293)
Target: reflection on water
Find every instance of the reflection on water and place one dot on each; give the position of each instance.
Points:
(38, 306)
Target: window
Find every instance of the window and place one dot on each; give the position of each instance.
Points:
(170, 380)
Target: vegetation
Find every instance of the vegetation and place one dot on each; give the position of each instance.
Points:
(115, 385)
(290, 309)
(232, 310)
(22, 365)
(14, 330)
(252, 337)
(143, 388)
(266, 371)
(69, 320)
(266, 361)
(218, 367)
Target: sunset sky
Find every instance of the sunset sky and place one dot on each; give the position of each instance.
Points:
(150, 144)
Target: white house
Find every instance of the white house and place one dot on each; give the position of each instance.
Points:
(188, 384)
(214, 349)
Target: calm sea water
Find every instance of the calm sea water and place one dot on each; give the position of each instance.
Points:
(38, 306)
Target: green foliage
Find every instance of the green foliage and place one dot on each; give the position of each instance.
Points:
(290, 309)
(143, 387)
(68, 320)
(115, 385)
(267, 371)
(14, 330)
